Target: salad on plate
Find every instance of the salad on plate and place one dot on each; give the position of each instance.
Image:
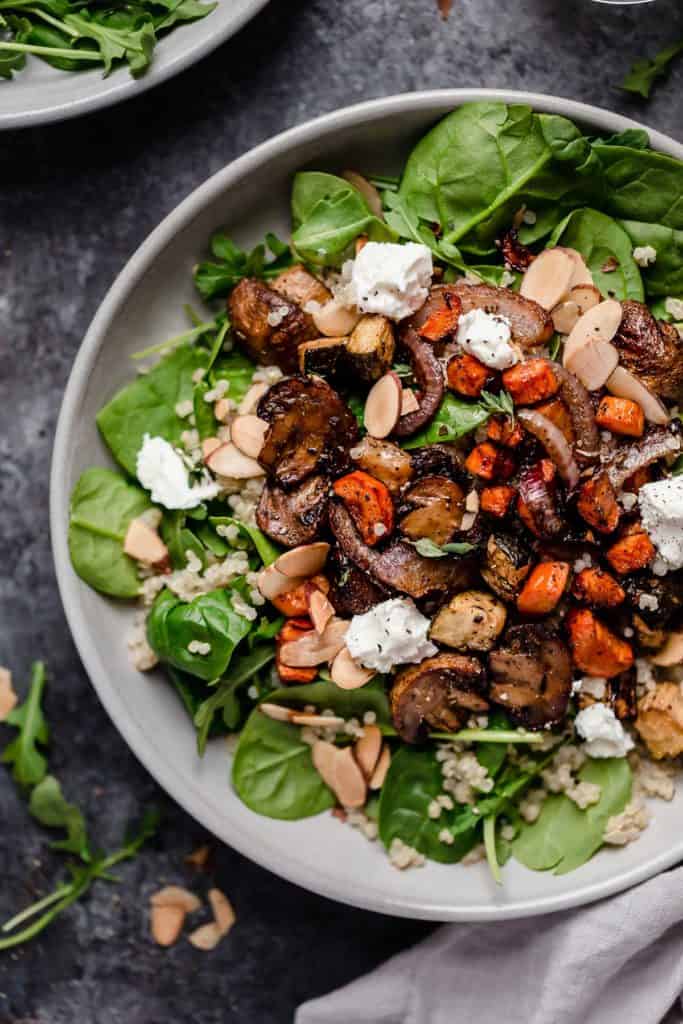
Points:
(402, 515)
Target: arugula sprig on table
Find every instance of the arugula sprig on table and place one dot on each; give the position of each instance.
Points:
(49, 806)
(644, 74)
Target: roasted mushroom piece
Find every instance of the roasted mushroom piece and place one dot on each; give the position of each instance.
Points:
(652, 351)
(438, 460)
(507, 564)
(654, 599)
(301, 287)
(268, 326)
(531, 325)
(436, 507)
(294, 517)
(352, 591)
(440, 693)
(311, 430)
(383, 460)
(657, 443)
(471, 621)
(532, 677)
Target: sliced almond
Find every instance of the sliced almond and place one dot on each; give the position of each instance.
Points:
(313, 648)
(582, 274)
(671, 653)
(248, 434)
(145, 545)
(323, 755)
(347, 779)
(367, 190)
(334, 320)
(316, 721)
(167, 924)
(229, 461)
(252, 398)
(176, 896)
(209, 446)
(383, 405)
(380, 772)
(565, 316)
(349, 674)
(272, 583)
(223, 912)
(409, 402)
(585, 296)
(276, 712)
(8, 698)
(306, 560)
(206, 937)
(624, 384)
(588, 353)
(199, 857)
(548, 278)
(223, 410)
(368, 748)
(320, 610)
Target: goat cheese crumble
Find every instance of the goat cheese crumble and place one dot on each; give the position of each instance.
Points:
(602, 732)
(389, 279)
(661, 510)
(164, 473)
(644, 255)
(392, 633)
(487, 338)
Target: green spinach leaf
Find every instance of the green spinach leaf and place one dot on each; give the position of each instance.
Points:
(601, 241)
(454, 419)
(223, 710)
(29, 766)
(644, 73)
(48, 806)
(345, 703)
(664, 277)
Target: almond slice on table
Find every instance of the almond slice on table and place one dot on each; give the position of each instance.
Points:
(8, 698)
(206, 937)
(313, 648)
(383, 405)
(209, 446)
(223, 911)
(409, 402)
(582, 274)
(145, 545)
(367, 749)
(671, 653)
(169, 908)
(565, 317)
(248, 433)
(320, 609)
(272, 583)
(624, 384)
(588, 352)
(229, 461)
(585, 296)
(252, 398)
(334, 320)
(380, 772)
(349, 674)
(548, 278)
(304, 561)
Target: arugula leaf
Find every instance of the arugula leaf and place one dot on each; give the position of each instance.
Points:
(601, 240)
(29, 766)
(428, 549)
(48, 806)
(213, 279)
(644, 73)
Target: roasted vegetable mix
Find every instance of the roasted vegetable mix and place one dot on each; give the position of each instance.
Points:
(405, 512)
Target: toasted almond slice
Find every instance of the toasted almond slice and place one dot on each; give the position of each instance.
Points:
(624, 384)
(199, 857)
(167, 924)
(271, 582)
(383, 405)
(334, 320)
(176, 896)
(306, 560)
(548, 278)
(206, 937)
(368, 748)
(582, 274)
(347, 779)
(229, 461)
(317, 721)
(223, 912)
(209, 446)
(349, 674)
(380, 772)
(585, 296)
(223, 409)
(313, 648)
(323, 755)
(588, 352)
(8, 698)
(248, 433)
(367, 190)
(252, 398)
(145, 545)
(565, 317)
(409, 402)
(319, 609)
(276, 712)
(671, 653)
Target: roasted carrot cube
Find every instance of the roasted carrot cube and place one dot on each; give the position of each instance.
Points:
(467, 375)
(295, 602)
(596, 587)
(620, 416)
(557, 412)
(598, 504)
(489, 463)
(369, 504)
(633, 552)
(504, 431)
(497, 500)
(530, 382)
(595, 649)
(543, 588)
(444, 319)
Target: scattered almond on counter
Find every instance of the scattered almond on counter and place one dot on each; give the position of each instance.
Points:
(8, 697)
(169, 907)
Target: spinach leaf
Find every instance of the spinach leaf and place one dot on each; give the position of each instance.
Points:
(147, 406)
(265, 549)
(665, 276)
(216, 278)
(48, 806)
(492, 755)
(223, 710)
(600, 239)
(237, 370)
(102, 506)
(642, 185)
(29, 766)
(328, 215)
(179, 538)
(454, 419)
(644, 73)
(345, 703)
(205, 421)
(273, 774)
(565, 837)
(173, 625)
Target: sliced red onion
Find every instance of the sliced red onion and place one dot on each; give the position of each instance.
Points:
(578, 401)
(429, 376)
(539, 498)
(657, 444)
(554, 442)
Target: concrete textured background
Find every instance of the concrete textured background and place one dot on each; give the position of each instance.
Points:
(75, 201)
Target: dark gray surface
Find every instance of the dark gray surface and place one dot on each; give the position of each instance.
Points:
(75, 201)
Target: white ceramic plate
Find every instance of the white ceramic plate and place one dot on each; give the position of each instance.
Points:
(40, 94)
(143, 307)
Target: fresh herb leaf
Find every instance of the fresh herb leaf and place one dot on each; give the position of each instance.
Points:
(48, 806)
(644, 73)
(216, 278)
(456, 417)
(29, 766)
(428, 549)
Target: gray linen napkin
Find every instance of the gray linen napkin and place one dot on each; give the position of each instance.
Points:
(616, 962)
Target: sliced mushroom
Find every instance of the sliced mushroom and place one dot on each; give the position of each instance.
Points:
(471, 621)
(294, 517)
(532, 677)
(658, 443)
(385, 461)
(247, 434)
(437, 508)
(652, 351)
(439, 693)
(267, 325)
(228, 461)
(507, 564)
(439, 460)
(383, 406)
(429, 376)
(370, 351)
(352, 592)
(589, 352)
(531, 324)
(548, 279)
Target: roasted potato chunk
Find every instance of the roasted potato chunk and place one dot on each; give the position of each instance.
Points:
(660, 720)
(371, 347)
(471, 621)
(323, 356)
(268, 326)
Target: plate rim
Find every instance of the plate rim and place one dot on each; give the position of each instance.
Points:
(163, 771)
(128, 87)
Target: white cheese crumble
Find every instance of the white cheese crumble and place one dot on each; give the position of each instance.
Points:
(645, 255)
(164, 472)
(661, 510)
(199, 647)
(594, 686)
(389, 279)
(392, 633)
(487, 338)
(603, 733)
(674, 308)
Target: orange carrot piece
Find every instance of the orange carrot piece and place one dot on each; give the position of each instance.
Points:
(467, 375)
(598, 504)
(595, 649)
(293, 630)
(530, 382)
(497, 500)
(557, 412)
(633, 552)
(543, 589)
(489, 463)
(295, 602)
(502, 430)
(596, 587)
(620, 416)
(369, 504)
(443, 320)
